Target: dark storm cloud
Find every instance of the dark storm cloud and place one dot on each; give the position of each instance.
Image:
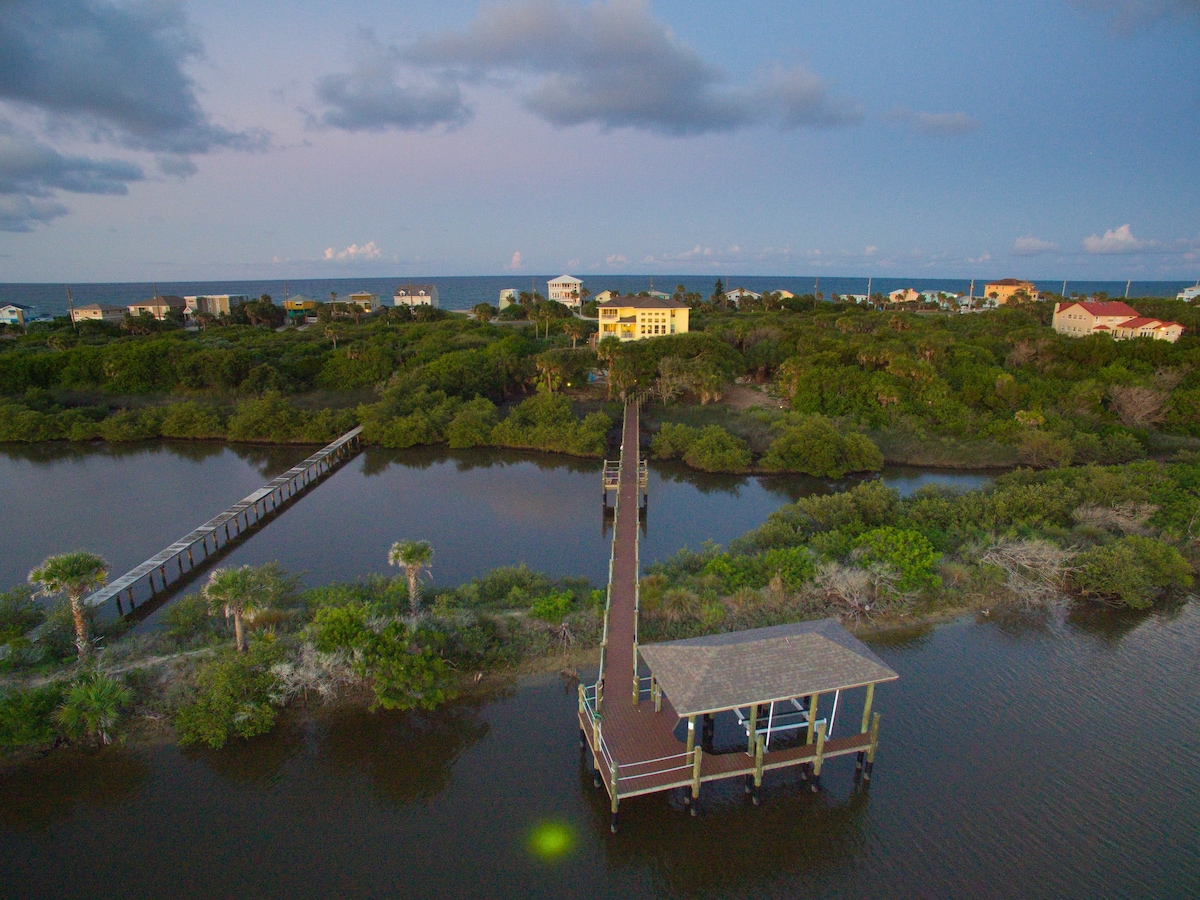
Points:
(370, 97)
(31, 171)
(116, 70)
(611, 64)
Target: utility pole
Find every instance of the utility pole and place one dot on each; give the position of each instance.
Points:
(71, 308)
(1127, 284)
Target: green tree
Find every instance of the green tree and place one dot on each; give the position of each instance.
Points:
(92, 707)
(415, 557)
(484, 312)
(906, 552)
(233, 696)
(74, 574)
(243, 594)
(1133, 570)
(814, 447)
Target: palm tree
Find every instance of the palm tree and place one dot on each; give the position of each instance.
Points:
(92, 706)
(414, 557)
(74, 574)
(243, 593)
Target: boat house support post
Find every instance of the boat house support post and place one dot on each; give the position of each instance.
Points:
(866, 720)
(874, 746)
(612, 771)
(759, 746)
(691, 738)
(820, 759)
(753, 730)
(697, 758)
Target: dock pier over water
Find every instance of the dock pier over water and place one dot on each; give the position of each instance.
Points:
(781, 684)
(190, 553)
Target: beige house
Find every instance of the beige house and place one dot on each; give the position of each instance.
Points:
(638, 318)
(904, 295)
(214, 304)
(1119, 320)
(159, 307)
(565, 290)
(1007, 289)
(416, 295)
(365, 299)
(94, 312)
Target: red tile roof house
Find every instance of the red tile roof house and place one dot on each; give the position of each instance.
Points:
(1122, 321)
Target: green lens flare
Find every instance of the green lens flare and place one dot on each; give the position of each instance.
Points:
(551, 840)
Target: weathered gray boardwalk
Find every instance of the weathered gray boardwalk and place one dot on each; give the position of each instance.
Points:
(241, 516)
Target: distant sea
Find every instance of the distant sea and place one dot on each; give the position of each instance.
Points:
(463, 292)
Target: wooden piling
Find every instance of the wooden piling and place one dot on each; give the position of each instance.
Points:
(820, 758)
(866, 719)
(752, 733)
(812, 716)
(697, 759)
(691, 737)
(872, 748)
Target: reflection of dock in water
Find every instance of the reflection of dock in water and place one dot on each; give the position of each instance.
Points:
(184, 558)
(781, 685)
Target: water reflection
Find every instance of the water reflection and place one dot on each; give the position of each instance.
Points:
(45, 792)
(260, 761)
(406, 756)
(735, 847)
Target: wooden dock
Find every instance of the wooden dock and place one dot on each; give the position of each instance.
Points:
(190, 552)
(626, 721)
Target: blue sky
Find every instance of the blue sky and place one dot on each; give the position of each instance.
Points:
(194, 140)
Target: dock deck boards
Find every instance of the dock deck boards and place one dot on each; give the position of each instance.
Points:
(639, 742)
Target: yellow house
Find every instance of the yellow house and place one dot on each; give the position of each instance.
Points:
(299, 308)
(638, 318)
(1007, 289)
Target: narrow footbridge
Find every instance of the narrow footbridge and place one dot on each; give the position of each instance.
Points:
(782, 685)
(194, 547)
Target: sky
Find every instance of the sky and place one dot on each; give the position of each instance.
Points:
(172, 140)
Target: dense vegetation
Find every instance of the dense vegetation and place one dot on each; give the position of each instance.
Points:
(863, 385)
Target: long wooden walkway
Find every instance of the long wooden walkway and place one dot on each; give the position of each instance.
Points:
(241, 516)
(629, 725)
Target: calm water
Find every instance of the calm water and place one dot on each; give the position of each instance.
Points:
(480, 509)
(1038, 758)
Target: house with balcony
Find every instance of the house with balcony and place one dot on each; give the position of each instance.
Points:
(565, 290)
(416, 295)
(214, 304)
(298, 309)
(639, 318)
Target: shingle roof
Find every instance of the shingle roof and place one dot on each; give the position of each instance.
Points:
(1008, 282)
(642, 303)
(725, 671)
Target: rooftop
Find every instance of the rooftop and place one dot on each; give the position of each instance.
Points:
(1009, 282)
(641, 303)
(726, 671)
(1108, 308)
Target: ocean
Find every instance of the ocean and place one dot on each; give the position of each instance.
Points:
(463, 292)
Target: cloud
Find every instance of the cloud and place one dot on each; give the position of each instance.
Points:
(609, 63)
(1131, 15)
(353, 253)
(21, 213)
(31, 172)
(116, 71)
(175, 166)
(369, 97)
(1028, 245)
(515, 262)
(1115, 240)
(615, 259)
(934, 124)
